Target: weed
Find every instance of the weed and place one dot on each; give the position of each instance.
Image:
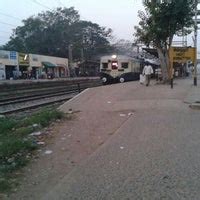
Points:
(44, 118)
(16, 143)
(5, 186)
(6, 125)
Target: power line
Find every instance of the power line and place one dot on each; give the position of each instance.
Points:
(7, 15)
(5, 32)
(60, 3)
(44, 6)
(5, 37)
(40, 4)
(8, 24)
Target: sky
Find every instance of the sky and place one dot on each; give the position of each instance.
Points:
(119, 15)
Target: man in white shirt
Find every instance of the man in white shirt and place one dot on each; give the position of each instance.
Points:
(147, 71)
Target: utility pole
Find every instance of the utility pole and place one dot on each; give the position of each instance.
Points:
(195, 42)
(70, 56)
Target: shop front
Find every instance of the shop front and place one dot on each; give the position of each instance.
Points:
(54, 67)
(35, 65)
(25, 71)
(49, 69)
(2, 72)
(62, 71)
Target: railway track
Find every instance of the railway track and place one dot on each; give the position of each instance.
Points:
(15, 102)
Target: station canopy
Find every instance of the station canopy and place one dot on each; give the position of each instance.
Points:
(151, 51)
(49, 64)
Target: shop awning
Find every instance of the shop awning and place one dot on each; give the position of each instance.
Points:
(48, 64)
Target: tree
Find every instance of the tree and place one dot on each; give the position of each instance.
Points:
(160, 22)
(52, 32)
(91, 38)
(124, 47)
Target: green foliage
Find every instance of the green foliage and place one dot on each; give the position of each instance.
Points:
(51, 32)
(44, 118)
(5, 185)
(6, 125)
(16, 142)
(161, 21)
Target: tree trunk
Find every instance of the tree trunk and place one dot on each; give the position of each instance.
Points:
(165, 64)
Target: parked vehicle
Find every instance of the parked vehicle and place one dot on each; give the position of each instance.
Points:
(119, 68)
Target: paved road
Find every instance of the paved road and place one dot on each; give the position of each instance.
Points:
(154, 155)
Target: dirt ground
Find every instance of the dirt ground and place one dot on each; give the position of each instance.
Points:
(66, 144)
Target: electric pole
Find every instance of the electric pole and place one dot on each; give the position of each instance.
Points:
(195, 42)
(70, 56)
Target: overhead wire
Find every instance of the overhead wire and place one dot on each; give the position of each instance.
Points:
(5, 37)
(60, 3)
(38, 3)
(44, 6)
(5, 23)
(8, 24)
(5, 32)
(13, 17)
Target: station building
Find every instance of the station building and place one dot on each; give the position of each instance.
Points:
(14, 65)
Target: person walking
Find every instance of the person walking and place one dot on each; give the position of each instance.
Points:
(147, 71)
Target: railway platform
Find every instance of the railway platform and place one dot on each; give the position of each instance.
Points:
(131, 142)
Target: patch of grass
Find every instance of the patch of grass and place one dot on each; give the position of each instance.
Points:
(44, 117)
(16, 143)
(6, 125)
(24, 131)
(5, 185)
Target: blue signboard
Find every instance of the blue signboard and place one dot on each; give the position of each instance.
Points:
(13, 55)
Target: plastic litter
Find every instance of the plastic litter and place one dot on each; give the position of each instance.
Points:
(122, 115)
(122, 148)
(41, 143)
(109, 102)
(47, 152)
(36, 133)
(35, 125)
(10, 160)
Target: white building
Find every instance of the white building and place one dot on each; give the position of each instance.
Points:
(9, 65)
(44, 65)
(20, 65)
